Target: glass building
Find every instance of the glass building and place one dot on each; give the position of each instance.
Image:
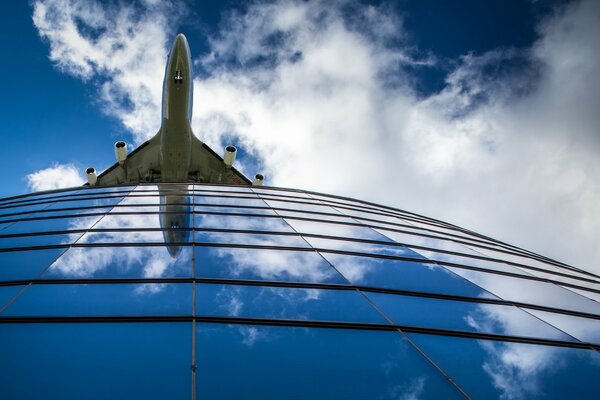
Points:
(213, 291)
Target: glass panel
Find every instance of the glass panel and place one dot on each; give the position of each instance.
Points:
(21, 265)
(246, 223)
(301, 206)
(360, 247)
(115, 220)
(403, 275)
(339, 230)
(529, 291)
(322, 217)
(233, 210)
(251, 200)
(95, 361)
(284, 303)
(101, 299)
(133, 237)
(223, 188)
(470, 261)
(83, 202)
(122, 262)
(7, 293)
(260, 264)
(584, 329)
(52, 224)
(42, 240)
(250, 239)
(276, 192)
(11, 213)
(490, 370)
(305, 363)
(586, 293)
(463, 316)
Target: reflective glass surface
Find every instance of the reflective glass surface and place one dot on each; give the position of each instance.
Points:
(334, 229)
(235, 222)
(463, 316)
(499, 370)
(250, 239)
(584, 329)
(403, 275)
(52, 224)
(95, 361)
(262, 264)
(18, 265)
(122, 262)
(235, 361)
(362, 247)
(38, 240)
(530, 291)
(103, 300)
(7, 293)
(183, 252)
(284, 303)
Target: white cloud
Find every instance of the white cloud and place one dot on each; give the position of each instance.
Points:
(325, 101)
(56, 177)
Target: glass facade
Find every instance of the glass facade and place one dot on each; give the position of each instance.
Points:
(210, 291)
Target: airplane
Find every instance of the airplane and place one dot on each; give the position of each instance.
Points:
(174, 154)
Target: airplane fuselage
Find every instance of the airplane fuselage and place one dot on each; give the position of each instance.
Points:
(176, 132)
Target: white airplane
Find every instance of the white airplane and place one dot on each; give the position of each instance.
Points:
(174, 154)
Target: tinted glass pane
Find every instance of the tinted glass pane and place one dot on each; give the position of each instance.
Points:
(11, 213)
(100, 201)
(501, 370)
(260, 264)
(234, 222)
(53, 224)
(361, 247)
(132, 237)
(403, 275)
(470, 261)
(271, 192)
(129, 221)
(233, 210)
(223, 188)
(17, 265)
(584, 329)
(301, 206)
(304, 363)
(41, 240)
(333, 229)
(95, 361)
(463, 316)
(122, 262)
(284, 303)
(529, 291)
(7, 293)
(103, 299)
(253, 201)
(250, 239)
(322, 217)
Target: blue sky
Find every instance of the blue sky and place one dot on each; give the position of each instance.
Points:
(483, 114)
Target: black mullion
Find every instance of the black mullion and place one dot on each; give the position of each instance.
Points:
(306, 324)
(304, 285)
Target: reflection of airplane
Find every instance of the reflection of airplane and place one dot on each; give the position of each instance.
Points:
(175, 216)
(174, 154)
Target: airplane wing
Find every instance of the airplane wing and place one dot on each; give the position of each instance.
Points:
(142, 164)
(207, 166)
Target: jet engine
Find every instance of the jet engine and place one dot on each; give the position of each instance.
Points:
(121, 152)
(258, 180)
(229, 156)
(91, 176)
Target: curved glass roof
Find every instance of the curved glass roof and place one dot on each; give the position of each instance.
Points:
(209, 291)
